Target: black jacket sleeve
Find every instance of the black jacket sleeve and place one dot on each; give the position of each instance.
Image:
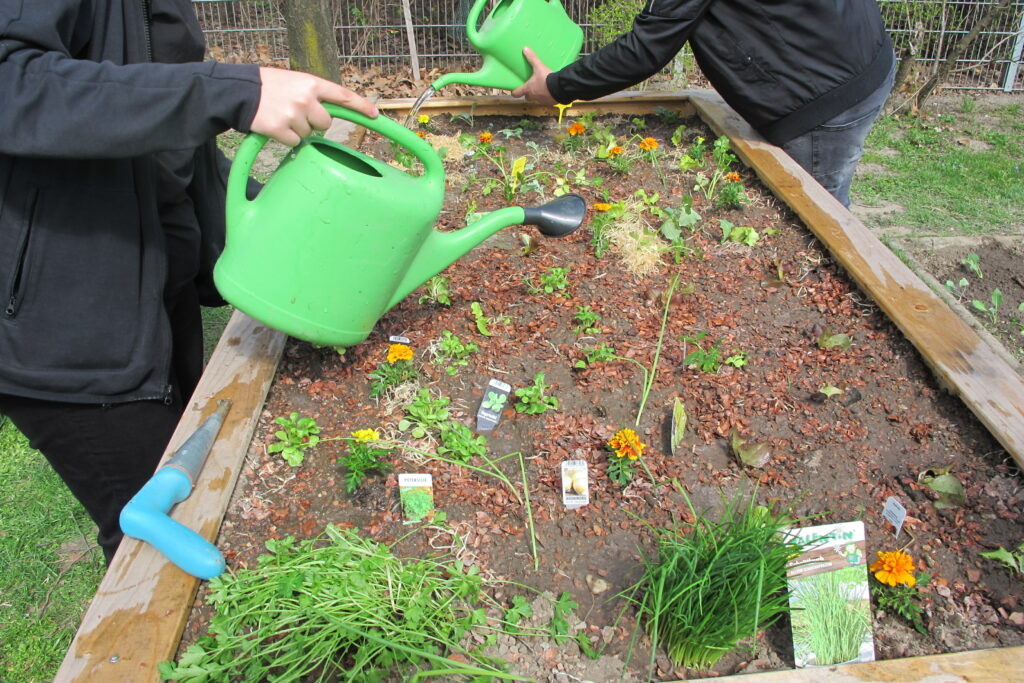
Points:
(658, 33)
(59, 105)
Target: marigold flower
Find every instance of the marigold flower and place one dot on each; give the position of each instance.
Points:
(486, 136)
(366, 435)
(397, 352)
(648, 144)
(577, 128)
(602, 206)
(423, 118)
(420, 133)
(734, 177)
(626, 444)
(616, 150)
(894, 568)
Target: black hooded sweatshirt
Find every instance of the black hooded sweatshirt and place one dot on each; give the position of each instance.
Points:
(786, 66)
(110, 189)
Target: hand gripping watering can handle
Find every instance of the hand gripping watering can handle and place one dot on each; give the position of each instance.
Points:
(238, 178)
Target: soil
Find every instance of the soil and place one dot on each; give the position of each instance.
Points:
(837, 457)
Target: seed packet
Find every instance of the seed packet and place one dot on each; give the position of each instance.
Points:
(829, 599)
(575, 484)
(416, 492)
(495, 400)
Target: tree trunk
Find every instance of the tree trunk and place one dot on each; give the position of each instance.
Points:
(312, 46)
(958, 51)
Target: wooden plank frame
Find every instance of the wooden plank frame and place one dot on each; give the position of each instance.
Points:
(141, 607)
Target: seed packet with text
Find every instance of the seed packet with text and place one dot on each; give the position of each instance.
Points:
(416, 492)
(575, 484)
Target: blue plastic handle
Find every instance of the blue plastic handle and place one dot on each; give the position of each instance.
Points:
(145, 518)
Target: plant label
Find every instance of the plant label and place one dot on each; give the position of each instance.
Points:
(829, 598)
(575, 484)
(416, 493)
(493, 402)
(399, 340)
(895, 513)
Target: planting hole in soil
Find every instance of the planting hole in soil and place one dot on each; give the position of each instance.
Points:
(692, 322)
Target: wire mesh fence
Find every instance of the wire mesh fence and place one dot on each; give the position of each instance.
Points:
(371, 32)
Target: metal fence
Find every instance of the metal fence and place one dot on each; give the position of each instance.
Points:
(372, 32)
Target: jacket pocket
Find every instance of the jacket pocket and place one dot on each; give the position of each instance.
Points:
(12, 291)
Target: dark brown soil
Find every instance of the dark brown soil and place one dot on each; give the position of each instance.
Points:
(837, 457)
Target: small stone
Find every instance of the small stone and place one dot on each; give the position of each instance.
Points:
(597, 585)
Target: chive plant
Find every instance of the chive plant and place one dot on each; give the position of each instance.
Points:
(716, 583)
(828, 621)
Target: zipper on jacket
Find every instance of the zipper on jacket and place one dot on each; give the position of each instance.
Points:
(11, 308)
(147, 28)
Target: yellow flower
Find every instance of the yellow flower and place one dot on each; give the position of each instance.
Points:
(626, 444)
(602, 206)
(894, 568)
(734, 177)
(423, 118)
(486, 136)
(366, 435)
(648, 144)
(577, 128)
(397, 352)
(616, 150)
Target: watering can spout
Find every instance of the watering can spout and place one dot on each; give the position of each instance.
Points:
(557, 218)
(492, 74)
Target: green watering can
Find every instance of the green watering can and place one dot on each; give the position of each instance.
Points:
(512, 25)
(335, 238)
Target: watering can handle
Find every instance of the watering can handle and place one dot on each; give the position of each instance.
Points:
(238, 178)
(473, 19)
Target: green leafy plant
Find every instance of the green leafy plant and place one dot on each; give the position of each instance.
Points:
(903, 600)
(482, 322)
(1013, 560)
(396, 370)
(828, 340)
(624, 449)
(495, 401)
(731, 194)
(296, 436)
(453, 353)
(339, 607)
(959, 290)
(744, 234)
(992, 308)
(973, 263)
(707, 359)
(425, 415)
(715, 582)
(598, 354)
(438, 291)
(560, 609)
(459, 443)
(532, 399)
(605, 217)
(586, 321)
(554, 280)
(738, 359)
(364, 455)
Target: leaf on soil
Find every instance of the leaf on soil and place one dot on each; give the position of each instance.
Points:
(827, 340)
(949, 488)
(679, 418)
(751, 454)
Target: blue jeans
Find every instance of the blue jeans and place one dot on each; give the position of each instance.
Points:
(831, 151)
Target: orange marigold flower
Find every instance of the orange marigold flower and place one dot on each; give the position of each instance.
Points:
(486, 136)
(734, 177)
(397, 352)
(602, 206)
(894, 568)
(616, 150)
(648, 144)
(626, 444)
(577, 128)
(421, 134)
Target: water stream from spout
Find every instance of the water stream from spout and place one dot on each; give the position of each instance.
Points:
(410, 120)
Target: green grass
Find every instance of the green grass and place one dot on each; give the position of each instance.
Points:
(43, 591)
(955, 174)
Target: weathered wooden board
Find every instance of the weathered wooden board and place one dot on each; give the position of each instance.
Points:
(140, 609)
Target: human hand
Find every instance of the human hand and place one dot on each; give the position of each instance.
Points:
(290, 104)
(535, 89)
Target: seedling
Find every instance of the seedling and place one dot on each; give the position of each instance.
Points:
(425, 415)
(598, 354)
(829, 390)
(744, 234)
(298, 434)
(738, 359)
(450, 351)
(708, 359)
(959, 290)
(1011, 559)
(481, 320)
(532, 400)
(459, 443)
(554, 280)
(973, 263)
(437, 291)
(396, 370)
(495, 401)
(827, 340)
(586, 321)
(991, 309)
(364, 455)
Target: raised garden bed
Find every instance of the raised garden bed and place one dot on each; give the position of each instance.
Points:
(843, 427)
